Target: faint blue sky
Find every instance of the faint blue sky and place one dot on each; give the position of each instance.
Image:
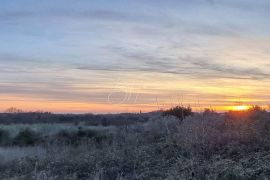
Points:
(80, 51)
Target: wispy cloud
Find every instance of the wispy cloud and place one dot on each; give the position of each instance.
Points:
(198, 67)
(77, 51)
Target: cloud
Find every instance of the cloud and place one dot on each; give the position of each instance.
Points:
(15, 15)
(75, 52)
(98, 14)
(191, 66)
(62, 92)
(227, 70)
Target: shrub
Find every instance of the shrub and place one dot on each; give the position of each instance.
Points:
(27, 137)
(4, 137)
(74, 137)
(179, 112)
(85, 133)
(64, 136)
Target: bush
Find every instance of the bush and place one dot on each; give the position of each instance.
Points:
(27, 137)
(4, 137)
(65, 137)
(74, 137)
(179, 112)
(85, 133)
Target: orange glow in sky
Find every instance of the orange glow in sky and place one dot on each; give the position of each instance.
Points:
(240, 108)
(31, 104)
(101, 57)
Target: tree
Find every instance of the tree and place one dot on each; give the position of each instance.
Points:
(13, 110)
(179, 112)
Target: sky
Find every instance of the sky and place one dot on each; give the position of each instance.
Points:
(100, 56)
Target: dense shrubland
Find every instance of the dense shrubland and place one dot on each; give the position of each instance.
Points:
(208, 145)
(89, 119)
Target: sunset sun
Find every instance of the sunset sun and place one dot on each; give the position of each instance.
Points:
(240, 108)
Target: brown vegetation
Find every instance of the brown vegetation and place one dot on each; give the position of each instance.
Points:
(208, 145)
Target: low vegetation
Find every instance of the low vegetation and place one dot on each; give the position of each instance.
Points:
(19, 117)
(207, 145)
(179, 112)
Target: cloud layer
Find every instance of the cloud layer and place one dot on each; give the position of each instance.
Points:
(90, 51)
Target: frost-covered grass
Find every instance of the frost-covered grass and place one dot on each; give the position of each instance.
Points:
(48, 129)
(9, 154)
(206, 146)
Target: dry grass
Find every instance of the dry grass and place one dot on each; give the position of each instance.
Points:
(204, 146)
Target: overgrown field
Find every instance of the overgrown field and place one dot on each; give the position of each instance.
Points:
(208, 145)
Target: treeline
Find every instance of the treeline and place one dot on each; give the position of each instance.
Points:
(20, 117)
(88, 119)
